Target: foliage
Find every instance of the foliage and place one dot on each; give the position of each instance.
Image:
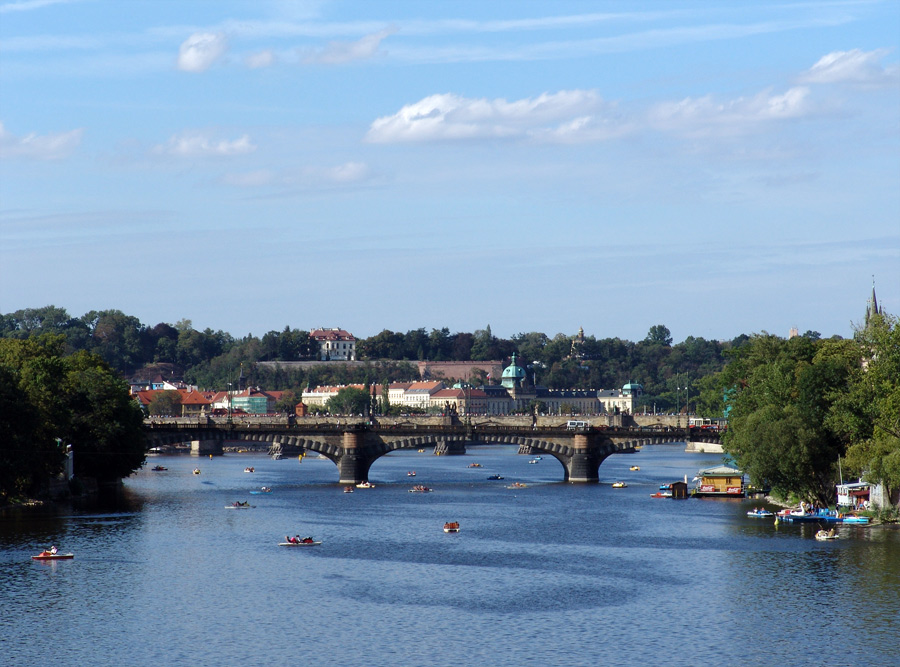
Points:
(781, 394)
(51, 400)
(869, 413)
(349, 400)
(165, 403)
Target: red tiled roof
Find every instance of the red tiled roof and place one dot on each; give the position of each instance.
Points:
(331, 334)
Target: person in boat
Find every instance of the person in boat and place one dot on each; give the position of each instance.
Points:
(53, 550)
(307, 540)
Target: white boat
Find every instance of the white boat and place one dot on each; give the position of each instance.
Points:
(239, 506)
(826, 535)
(619, 485)
(759, 512)
(365, 485)
(451, 527)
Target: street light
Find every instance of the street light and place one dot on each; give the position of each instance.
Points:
(229, 401)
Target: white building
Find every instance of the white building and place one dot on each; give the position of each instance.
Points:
(334, 344)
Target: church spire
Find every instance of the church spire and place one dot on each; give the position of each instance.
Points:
(872, 307)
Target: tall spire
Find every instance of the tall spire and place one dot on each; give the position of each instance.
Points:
(872, 307)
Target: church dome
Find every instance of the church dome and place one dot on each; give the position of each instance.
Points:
(513, 375)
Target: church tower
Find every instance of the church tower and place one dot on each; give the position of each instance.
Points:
(872, 308)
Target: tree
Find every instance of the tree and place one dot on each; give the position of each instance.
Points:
(782, 392)
(105, 425)
(349, 400)
(659, 335)
(869, 413)
(165, 403)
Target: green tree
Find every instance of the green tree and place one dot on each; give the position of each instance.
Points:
(165, 403)
(105, 425)
(869, 413)
(349, 400)
(782, 392)
(659, 335)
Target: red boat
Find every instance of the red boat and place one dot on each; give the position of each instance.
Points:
(52, 555)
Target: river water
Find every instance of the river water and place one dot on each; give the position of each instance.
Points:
(553, 574)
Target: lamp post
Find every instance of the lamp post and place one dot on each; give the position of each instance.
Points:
(229, 402)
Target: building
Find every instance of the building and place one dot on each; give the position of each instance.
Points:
(334, 344)
(191, 403)
(723, 481)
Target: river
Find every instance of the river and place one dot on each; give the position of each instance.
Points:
(554, 573)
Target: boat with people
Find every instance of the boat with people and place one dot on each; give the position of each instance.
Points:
(239, 505)
(451, 527)
(411, 473)
(196, 471)
(826, 535)
(249, 469)
(158, 468)
(474, 465)
(298, 541)
(262, 490)
(660, 494)
(809, 514)
(633, 468)
(348, 489)
(760, 513)
(517, 485)
(533, 461)
(419, 488)
(495, 477)
(619, 485)
(53, 554)
(365, 485)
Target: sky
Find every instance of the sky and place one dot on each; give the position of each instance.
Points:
(720, 167)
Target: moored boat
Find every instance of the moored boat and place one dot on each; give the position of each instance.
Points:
(451, 527)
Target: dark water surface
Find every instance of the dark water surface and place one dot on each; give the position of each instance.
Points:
(551, 574)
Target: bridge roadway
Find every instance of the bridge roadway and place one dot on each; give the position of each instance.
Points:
(355, 444)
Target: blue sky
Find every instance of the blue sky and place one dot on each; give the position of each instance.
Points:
(720, 167)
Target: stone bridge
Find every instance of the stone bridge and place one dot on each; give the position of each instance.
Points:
(355, 446)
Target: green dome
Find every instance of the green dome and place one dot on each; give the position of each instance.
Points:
(512, 374)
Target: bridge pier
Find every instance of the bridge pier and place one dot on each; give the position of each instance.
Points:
(205, 447)
(353, 464)
(447, 447)
(584, 464)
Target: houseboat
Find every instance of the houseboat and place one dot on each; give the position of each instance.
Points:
(719, 482)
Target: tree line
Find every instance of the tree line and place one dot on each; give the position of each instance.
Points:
(675, 377)
(802, 411)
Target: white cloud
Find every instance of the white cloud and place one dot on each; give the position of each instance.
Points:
(201, 50)
(339, 53)
(261, 59)
(28, 5)
(704, 115)
(200, 145)
(349, 172)
(39, 147)
(448, 117)
(854, 66)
